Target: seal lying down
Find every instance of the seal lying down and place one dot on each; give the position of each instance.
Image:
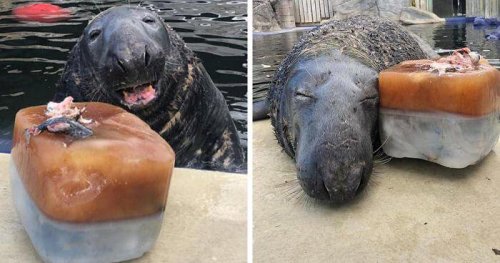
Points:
(91, 198)
(128, 57)
(324, 101)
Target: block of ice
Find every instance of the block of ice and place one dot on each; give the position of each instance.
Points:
(451, 140)
(98, 198)
(445, 111)
(60, 242)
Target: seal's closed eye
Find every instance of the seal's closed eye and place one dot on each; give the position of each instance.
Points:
(304, 93)
(148, 20)
(94, 34)
(371, 100)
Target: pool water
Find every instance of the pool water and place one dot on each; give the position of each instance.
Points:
(270, 49)
(32, 55)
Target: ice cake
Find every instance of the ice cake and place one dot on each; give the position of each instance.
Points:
(445, 111)
(90, 181)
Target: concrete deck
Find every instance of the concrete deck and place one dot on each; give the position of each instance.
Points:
(205, 220)
(412, 211)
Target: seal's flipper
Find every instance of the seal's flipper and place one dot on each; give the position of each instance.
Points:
(260, 110)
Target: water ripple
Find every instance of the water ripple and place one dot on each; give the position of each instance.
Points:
(33, 54)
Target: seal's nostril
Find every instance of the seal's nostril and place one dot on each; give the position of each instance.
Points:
(147, 58)
(120, 65)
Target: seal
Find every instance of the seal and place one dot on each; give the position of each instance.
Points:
(127, 56)
(324, 101)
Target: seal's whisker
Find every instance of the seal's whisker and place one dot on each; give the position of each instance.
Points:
(382, 144)
(287, 186)
(292, 191)
(296, 199)
(381, 158)
(302, 199)
(382, 161)
(286, 183)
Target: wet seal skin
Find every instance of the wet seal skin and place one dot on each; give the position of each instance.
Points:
(324, 101)
(129, 57)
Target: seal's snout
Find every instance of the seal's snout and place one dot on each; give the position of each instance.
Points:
(134, 58)
(325, 176)
(135, 68)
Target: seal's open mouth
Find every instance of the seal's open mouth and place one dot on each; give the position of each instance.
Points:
(138, 96)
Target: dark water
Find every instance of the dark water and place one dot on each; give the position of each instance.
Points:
(32, 55)
(270, 49)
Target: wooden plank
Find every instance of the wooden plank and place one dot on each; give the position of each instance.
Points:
(321, 9)
(491, 8)
(311, 18)
(324, 10)
(307, 10)
(296, 6)
(330, 6)
(327, 9)
(304, 11)
(296, 11)
(474, 7)
(301, 11)
(314, 11)
(317, 11)
(310, 11)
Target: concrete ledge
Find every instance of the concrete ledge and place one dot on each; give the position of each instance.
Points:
(205, 220)
(411, 211)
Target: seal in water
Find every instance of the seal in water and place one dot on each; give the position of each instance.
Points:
(128, 57)
(324, 101)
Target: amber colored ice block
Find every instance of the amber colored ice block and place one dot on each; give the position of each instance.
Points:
(450, 118)
(98, 199)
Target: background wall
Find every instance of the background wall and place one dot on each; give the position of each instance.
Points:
(270, 15)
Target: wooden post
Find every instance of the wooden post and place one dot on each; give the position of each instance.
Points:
(474, 7)
(424, 5)
(286, 14)
(492, 8)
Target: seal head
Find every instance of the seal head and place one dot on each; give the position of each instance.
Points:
(332, 113)
(324, 102)
(128, 45)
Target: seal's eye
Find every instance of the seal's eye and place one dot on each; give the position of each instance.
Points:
(148, 20)
(305, 94)
(94, 34)
(370, 101)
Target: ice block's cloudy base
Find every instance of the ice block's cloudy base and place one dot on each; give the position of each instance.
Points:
(452, 140)
(110, 241)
